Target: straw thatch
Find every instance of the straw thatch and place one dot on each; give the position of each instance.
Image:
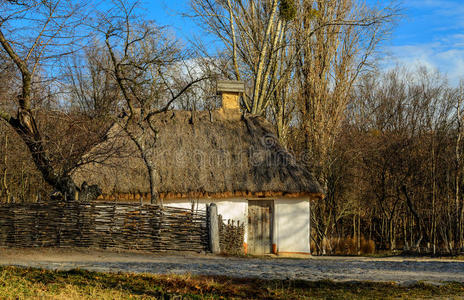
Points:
(201, 154)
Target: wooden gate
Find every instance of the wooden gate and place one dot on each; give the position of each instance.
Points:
(260, 220)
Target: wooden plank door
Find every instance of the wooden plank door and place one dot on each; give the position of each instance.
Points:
(260, 220)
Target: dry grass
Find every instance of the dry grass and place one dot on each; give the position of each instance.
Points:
(22, 283)
(348, 246)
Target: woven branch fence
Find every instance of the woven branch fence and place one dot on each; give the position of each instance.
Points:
(231, 236)
(103, 225)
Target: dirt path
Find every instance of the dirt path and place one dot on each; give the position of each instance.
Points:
(403, 270)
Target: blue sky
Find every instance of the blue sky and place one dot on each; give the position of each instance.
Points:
(168, 12)
(431, 33)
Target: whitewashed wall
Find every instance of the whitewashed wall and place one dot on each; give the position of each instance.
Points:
(291, 219)
(231, 209)
(291, 225)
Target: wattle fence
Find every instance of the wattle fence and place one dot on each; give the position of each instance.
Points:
(103, 225)
(231, 236)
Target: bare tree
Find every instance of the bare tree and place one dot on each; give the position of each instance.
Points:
(92, 88)
(255, 35)
(265, 38)
(145, 64)
(34, 34)
(335, 41)
(406, 120)
(459, 202)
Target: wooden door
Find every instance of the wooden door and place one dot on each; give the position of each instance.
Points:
(260, 220)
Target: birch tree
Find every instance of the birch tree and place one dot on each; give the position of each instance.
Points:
(459, 203)
(255, 35)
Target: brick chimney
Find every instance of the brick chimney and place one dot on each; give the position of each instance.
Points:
(230, 91)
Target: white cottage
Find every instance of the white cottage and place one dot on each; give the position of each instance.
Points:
(220, 157)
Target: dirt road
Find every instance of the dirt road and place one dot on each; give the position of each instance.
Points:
(403, 270)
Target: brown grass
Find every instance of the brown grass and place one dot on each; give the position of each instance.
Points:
(347, 246)
(22, 283)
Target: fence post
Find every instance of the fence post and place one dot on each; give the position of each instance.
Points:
(213, 229)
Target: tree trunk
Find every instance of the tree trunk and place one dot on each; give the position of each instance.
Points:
(4, 180)
(415, 214)
(24, 124)
(154, 195)
(256, 109)
(459, 210)
(26, 128)
(391, 234)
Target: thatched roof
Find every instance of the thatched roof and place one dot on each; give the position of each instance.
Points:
(201, 154)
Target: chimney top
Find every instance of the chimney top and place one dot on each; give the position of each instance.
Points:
(230, 91)
(230, 86)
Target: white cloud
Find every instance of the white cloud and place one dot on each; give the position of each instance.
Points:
(449, 61)
(454, 40)
(432, 35)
